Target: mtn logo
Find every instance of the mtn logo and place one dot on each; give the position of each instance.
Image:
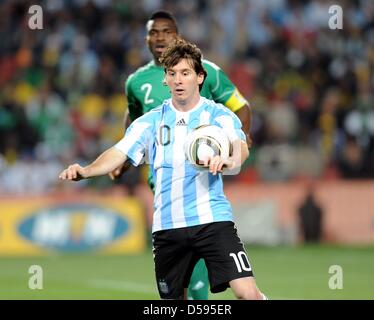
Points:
(181, 122)
(74, 228)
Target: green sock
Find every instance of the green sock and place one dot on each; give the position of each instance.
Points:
(199, 283)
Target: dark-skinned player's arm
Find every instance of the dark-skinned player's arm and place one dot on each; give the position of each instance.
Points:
(224, 91)
(120, 170)
(245, 116)
(134, 110)
(239, 105)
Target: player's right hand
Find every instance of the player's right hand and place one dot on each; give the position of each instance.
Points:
(74, 172)
(117, 173)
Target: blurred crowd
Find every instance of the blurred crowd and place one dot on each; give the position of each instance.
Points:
(310, 87)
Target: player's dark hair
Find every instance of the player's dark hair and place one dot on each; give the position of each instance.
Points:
(182, 49)
(162, 14)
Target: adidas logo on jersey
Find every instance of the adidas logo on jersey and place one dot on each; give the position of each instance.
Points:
(181, 122)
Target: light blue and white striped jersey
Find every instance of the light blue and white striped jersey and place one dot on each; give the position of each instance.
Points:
(184, 196)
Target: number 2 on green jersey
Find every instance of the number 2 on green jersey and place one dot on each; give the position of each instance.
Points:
(147, 87)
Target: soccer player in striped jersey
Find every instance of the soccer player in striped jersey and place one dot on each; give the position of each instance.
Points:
(192, 219)
(145, 91)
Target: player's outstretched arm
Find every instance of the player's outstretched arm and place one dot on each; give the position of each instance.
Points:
(105, 163)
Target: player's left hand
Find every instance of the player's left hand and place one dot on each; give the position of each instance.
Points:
(217, 164)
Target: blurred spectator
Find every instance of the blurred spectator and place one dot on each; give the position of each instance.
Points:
(311, 218)
(311, 88)
(275, 162)
(352, 161)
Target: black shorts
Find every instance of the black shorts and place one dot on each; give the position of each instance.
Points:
(176, 252)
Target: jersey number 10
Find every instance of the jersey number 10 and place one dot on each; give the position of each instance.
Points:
(241, 261)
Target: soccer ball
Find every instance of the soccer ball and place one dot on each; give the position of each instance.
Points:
(206, 141)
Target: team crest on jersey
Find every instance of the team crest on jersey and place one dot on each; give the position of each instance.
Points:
(163, 286)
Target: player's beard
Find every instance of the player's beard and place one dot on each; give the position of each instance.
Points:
(155, 52)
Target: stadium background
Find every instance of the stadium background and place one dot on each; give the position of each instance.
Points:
(62, 100)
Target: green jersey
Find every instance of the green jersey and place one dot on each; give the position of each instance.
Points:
(145, 89)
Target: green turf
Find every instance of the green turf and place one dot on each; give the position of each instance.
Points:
(281, 273)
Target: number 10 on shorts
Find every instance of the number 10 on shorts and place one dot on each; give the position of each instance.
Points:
(241, 261)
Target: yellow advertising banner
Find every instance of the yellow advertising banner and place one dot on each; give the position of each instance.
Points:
(71, 224)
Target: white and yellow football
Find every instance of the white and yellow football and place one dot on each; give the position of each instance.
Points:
(204, 142)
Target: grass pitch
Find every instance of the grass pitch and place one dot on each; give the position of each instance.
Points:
(281, 273)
